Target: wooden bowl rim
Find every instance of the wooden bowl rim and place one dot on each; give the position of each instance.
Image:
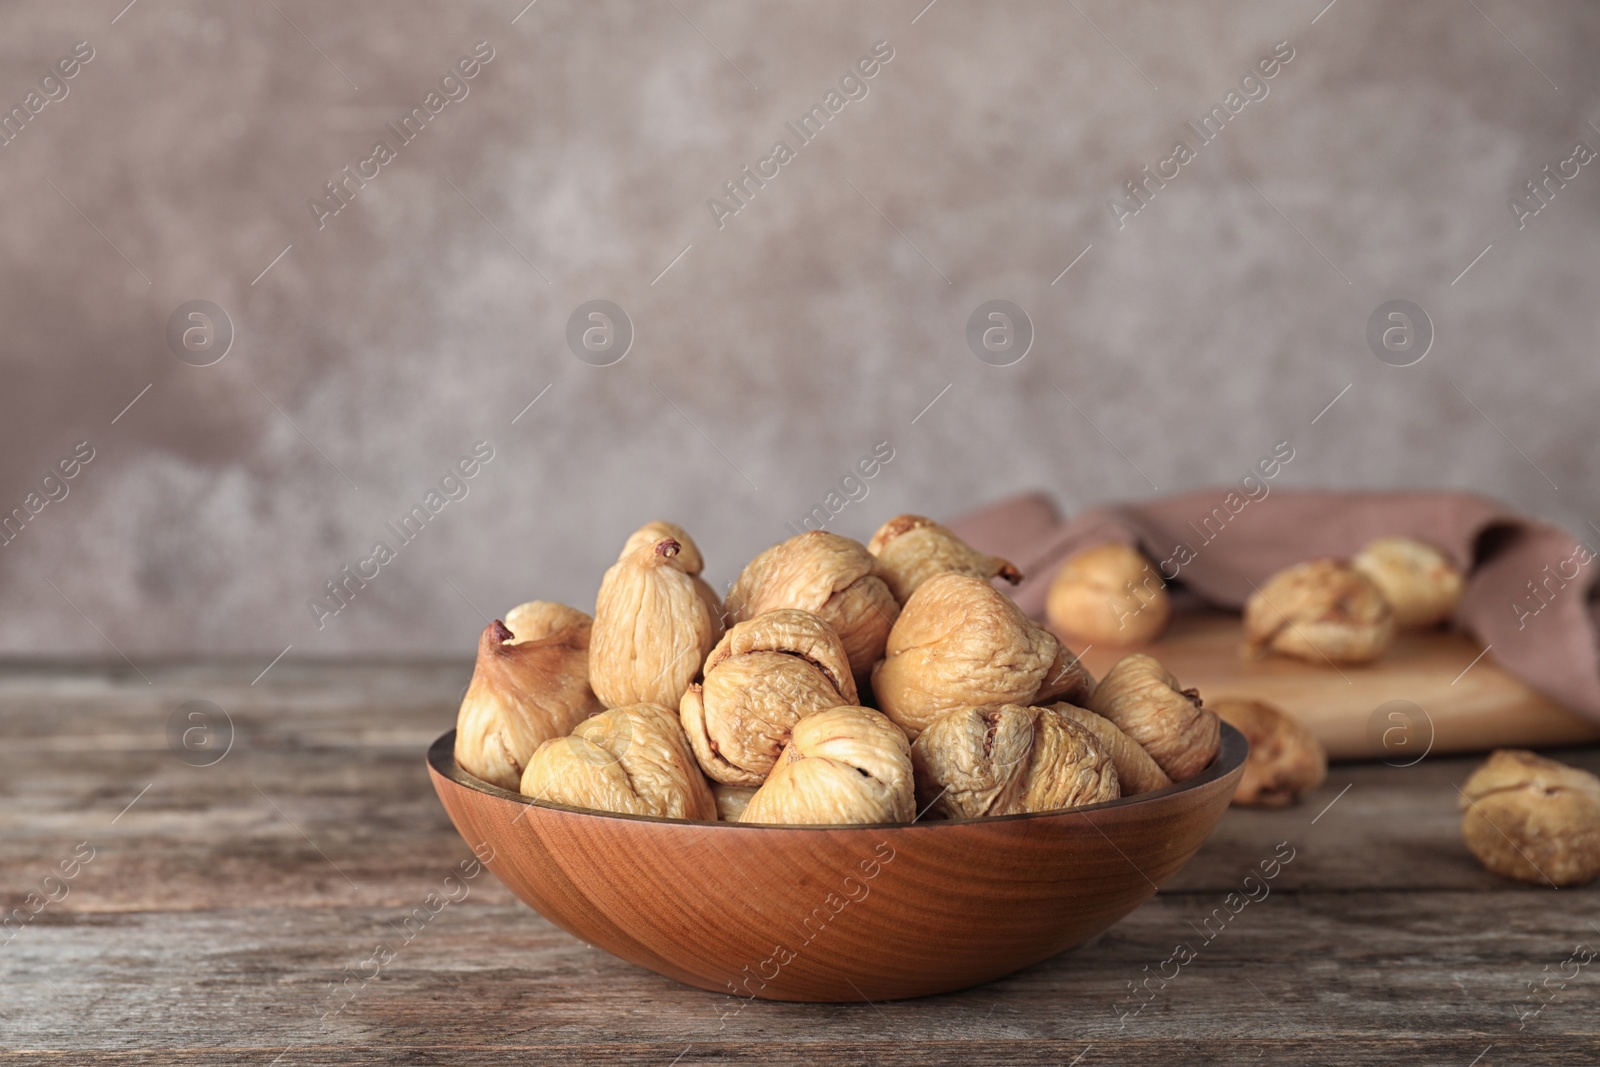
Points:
(1231, 753)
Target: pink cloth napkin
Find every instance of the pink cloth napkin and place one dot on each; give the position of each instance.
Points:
(1529, 594)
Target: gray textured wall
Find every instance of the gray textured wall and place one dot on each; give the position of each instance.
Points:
(818, 321)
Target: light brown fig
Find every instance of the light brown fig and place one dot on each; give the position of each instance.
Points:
(846, 765)
(830, 576)
(731, 800)
(1286, 760)
(1067, 679)
(911, 549)
(1137, 772)
(1006, 760)
(689, 559)
(1533, 819)
(960, 642)
(1419, 582)
(1144, 701)
(633, 760)
(531, 683)
(652, 628)
(1321, 611)
(764, 676)
(1109, 595)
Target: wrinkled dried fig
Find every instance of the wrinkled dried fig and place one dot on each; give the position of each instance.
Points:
(846, 765)
(911, 549)
(831, 577)
(652, 628)
(1109, 595)
(1286, 760)
(531, 683)
(1007, 760)
(763, 677)
(689, 560)
(1420, 584)
(1148, 704)
(1137, 772)
(633, 760)
(1533, 819)
(960, 642)
(731, 800)
(1322, 611)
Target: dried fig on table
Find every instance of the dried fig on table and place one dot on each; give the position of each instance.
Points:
(1533, 819)
(911, 549)
(846, 765)
(531, 683)
(1007, 760)
(1137, 771)
(731, 800)
(1144, 701)
(689, 560)
(652, 627)
(960, 642)
(763, 677)
(830, 576)
(1286, 760)
(1419, 582)
(1322, 611)
(633, 760)
(1109, 595)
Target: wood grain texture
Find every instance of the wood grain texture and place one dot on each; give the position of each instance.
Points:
(208, 929)
(838, 913)
(1469, 706)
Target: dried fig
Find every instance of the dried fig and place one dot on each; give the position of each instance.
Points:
(531, 683)
(1533, 819)
(960, 642)
(1137, 772)
(1008, 759)
(763, 677)
(831, 577)
(1420, 584)
(1325, 610)
(1286, 759)
(689, 559)
(911, 549)
(633, 760)
(846, 765)
(652, 628)
(731, 800)
(1148, 704)
(1109, 595)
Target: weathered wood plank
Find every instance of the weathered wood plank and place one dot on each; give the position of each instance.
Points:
(219, 908)
(1289, 967)
(1543, 1052)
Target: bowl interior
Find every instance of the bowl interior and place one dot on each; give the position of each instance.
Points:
(837, 913)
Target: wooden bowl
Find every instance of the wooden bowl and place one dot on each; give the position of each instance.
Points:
(849, 913)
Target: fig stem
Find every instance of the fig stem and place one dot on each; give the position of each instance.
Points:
(667, 547)
(502, 632)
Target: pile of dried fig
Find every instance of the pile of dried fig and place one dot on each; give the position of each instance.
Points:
(840, 683)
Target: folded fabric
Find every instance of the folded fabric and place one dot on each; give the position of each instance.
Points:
(1529, 594)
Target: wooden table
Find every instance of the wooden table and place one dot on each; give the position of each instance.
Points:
(222, 901)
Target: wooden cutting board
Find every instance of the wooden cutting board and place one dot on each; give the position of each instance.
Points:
(1425, 695)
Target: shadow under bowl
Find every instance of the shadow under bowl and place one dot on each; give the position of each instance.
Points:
(837, 913)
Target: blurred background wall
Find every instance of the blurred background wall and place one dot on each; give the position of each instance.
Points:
(773, 348)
